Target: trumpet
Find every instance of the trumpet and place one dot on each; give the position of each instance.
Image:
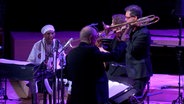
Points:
(144, 21)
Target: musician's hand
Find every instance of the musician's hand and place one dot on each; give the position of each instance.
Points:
(105, 26)
(102, 49)
(125, 36)
(98, 42)
(50, 63)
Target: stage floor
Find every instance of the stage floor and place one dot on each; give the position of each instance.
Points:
(159, 93)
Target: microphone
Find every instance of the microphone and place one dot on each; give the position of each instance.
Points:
(66, 44)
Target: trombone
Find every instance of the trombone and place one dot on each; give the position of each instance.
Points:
(144, 21)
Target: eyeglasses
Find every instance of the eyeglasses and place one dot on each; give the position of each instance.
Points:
(129, 17)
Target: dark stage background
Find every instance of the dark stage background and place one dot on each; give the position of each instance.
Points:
(72, 15)
(31, 15)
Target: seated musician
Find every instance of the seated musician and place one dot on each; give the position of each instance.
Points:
(42, 54)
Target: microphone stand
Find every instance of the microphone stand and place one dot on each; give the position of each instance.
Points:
(54, 76)
(180, 99)
(57, 51)
(62, 66)
(62, 83)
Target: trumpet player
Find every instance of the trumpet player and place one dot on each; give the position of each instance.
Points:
(112, 35)
(138, 62)
(114, 71)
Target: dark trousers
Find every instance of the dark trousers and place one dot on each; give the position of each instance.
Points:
(139, 85)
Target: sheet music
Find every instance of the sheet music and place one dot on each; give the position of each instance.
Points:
(16, 62)
(116, 87)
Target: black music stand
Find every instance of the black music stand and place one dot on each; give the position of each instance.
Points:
(180, 99)
(179, 12)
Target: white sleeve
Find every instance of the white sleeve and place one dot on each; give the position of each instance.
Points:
(32, 55)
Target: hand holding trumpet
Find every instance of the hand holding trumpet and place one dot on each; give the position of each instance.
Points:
(125, 36)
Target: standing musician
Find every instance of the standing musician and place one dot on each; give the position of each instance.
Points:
(84, 65)
(138, 62)
(115, 69)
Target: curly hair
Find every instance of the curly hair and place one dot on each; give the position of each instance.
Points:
(118, 18)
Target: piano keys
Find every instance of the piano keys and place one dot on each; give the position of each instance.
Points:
(17, 70)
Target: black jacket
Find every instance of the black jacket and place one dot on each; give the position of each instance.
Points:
(85, 68)
(138, 62)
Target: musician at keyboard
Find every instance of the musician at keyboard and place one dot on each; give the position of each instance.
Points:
(42, 53)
